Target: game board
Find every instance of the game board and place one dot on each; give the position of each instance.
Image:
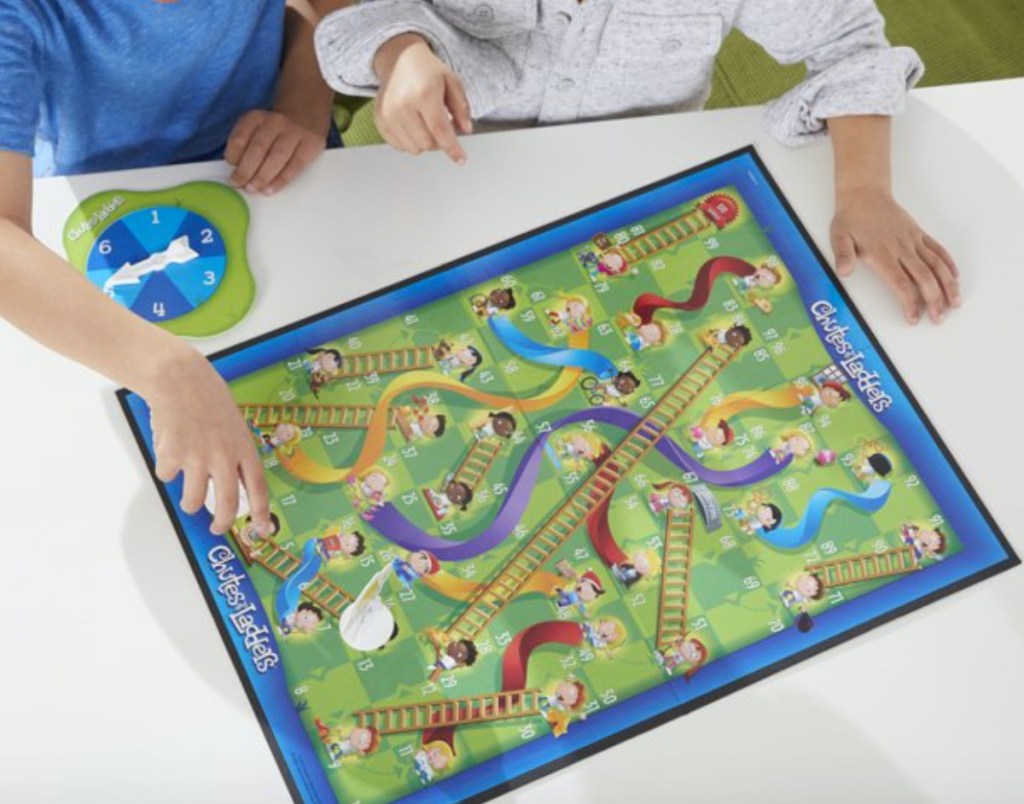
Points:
(175, 257)
(549, 495)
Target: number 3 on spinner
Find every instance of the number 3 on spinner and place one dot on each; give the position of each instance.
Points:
(176, 257)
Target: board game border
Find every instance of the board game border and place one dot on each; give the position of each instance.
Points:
(668, 714)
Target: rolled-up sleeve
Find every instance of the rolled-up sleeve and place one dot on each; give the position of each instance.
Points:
(348, 40)
(21, 84)
(851, 67)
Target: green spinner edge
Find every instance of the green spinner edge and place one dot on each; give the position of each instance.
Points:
(222, 206)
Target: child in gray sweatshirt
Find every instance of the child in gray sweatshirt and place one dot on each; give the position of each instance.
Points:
(438, 65)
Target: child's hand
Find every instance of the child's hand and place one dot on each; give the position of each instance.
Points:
(197, 429)
(269, 149)
(869, 224)
(420, 101)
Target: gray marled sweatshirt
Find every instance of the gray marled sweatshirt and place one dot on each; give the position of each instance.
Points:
(557, 61)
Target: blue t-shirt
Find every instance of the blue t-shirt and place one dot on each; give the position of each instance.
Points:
(95, 85)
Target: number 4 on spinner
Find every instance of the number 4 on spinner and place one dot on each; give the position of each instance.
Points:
(175, 257)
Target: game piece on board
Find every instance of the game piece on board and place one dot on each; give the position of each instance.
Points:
(367, 623)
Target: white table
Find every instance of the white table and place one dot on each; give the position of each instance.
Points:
(114, 684)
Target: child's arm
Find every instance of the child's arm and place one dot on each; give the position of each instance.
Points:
(870, 224)
(431, 66)
(268, 149)
(196, 424)
(420, 100)
(855, 83)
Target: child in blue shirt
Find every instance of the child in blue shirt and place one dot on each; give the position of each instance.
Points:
(89, 86)
(441, 67)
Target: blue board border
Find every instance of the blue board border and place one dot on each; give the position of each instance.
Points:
(986, 553)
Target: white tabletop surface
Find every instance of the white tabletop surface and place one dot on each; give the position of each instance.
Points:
(115, 686)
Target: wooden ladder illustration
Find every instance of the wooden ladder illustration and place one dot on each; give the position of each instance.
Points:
(454, 712)
(390, 362)
(864, 567)
(318, 417)
(282, 563)
(675, 577)
(665, 236)
(478, 462)
(492, 597)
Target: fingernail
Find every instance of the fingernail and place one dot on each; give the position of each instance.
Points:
(250, 188)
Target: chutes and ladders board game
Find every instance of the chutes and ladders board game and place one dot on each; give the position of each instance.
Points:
(547, 496)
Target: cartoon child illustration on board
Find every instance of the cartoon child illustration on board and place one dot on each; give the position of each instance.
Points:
(872, 462)
(306, 619)
(605, 634)
(613, 390)
(760, 515)
(248, 538)
(360, 741)
(369, 491)
(641, 336)
(559, 707)
(451, 656)
(606, 265)
(455, 495)
(803, 590)
(341, 544)
(574, 314)
(669, 495)
(498, 424)
(684, 650)
(799, 595)
(711, 438)
(418, 421)
(926, 542)
(796, 443)
(432, 760)
(766, 277)
(642, 564)
(499, 300)
(323, 366)
(461, 360)
(830, 394)
(587, 588)
(417, 565)
(737, 336)
(285, 436)
(576, 449)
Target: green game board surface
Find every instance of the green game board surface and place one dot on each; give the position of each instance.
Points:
(877, 517)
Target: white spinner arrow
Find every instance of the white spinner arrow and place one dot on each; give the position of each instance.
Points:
(178, 252)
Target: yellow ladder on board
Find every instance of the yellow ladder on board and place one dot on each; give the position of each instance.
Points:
(390, 362)
(282, 564)
(675, 577)
(864, 567)
(478, 462)
(455, 712)
(491, 597)
(665, 236)
(318, 417)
